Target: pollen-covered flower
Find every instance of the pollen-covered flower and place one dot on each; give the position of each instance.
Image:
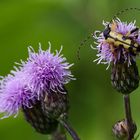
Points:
(118, 45)
(119, 42)
(46, 71)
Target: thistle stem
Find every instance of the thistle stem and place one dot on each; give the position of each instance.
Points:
(128, 115)
(59, 134)
(66, 125)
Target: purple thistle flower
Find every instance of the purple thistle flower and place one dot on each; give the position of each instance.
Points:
(46, 71)
(14, 94)
(118, 45)
(109, 53)
(43, 72)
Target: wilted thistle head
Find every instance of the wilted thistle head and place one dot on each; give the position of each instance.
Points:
(118, 45)
(38, 88)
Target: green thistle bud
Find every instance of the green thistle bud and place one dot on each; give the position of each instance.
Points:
(124, 78)
(120, 129)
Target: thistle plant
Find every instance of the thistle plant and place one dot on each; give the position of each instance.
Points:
(118, 46)
(37, 87)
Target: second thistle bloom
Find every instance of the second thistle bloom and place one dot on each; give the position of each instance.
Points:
(46, 71)
(118, 45)
(46, 74)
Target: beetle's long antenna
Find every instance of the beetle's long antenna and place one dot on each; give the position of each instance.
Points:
(123, 11)
(82, 43)
(114, 17)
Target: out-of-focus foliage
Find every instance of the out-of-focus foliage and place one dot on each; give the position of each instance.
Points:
(95, 105)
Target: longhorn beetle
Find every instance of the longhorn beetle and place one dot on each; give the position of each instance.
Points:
(111, 36)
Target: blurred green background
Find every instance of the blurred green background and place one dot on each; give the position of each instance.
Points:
(95, 105)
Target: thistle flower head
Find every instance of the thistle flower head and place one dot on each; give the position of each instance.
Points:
(43, 73)
(14, 94)
(46, 71)
(117, 45)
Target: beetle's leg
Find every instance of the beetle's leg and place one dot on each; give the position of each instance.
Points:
(135, 30)
(113, 26)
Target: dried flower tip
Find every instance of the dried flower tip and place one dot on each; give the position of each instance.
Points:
(120, 129)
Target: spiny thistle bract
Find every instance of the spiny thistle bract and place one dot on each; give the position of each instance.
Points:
(118, 45)
(37, 87)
